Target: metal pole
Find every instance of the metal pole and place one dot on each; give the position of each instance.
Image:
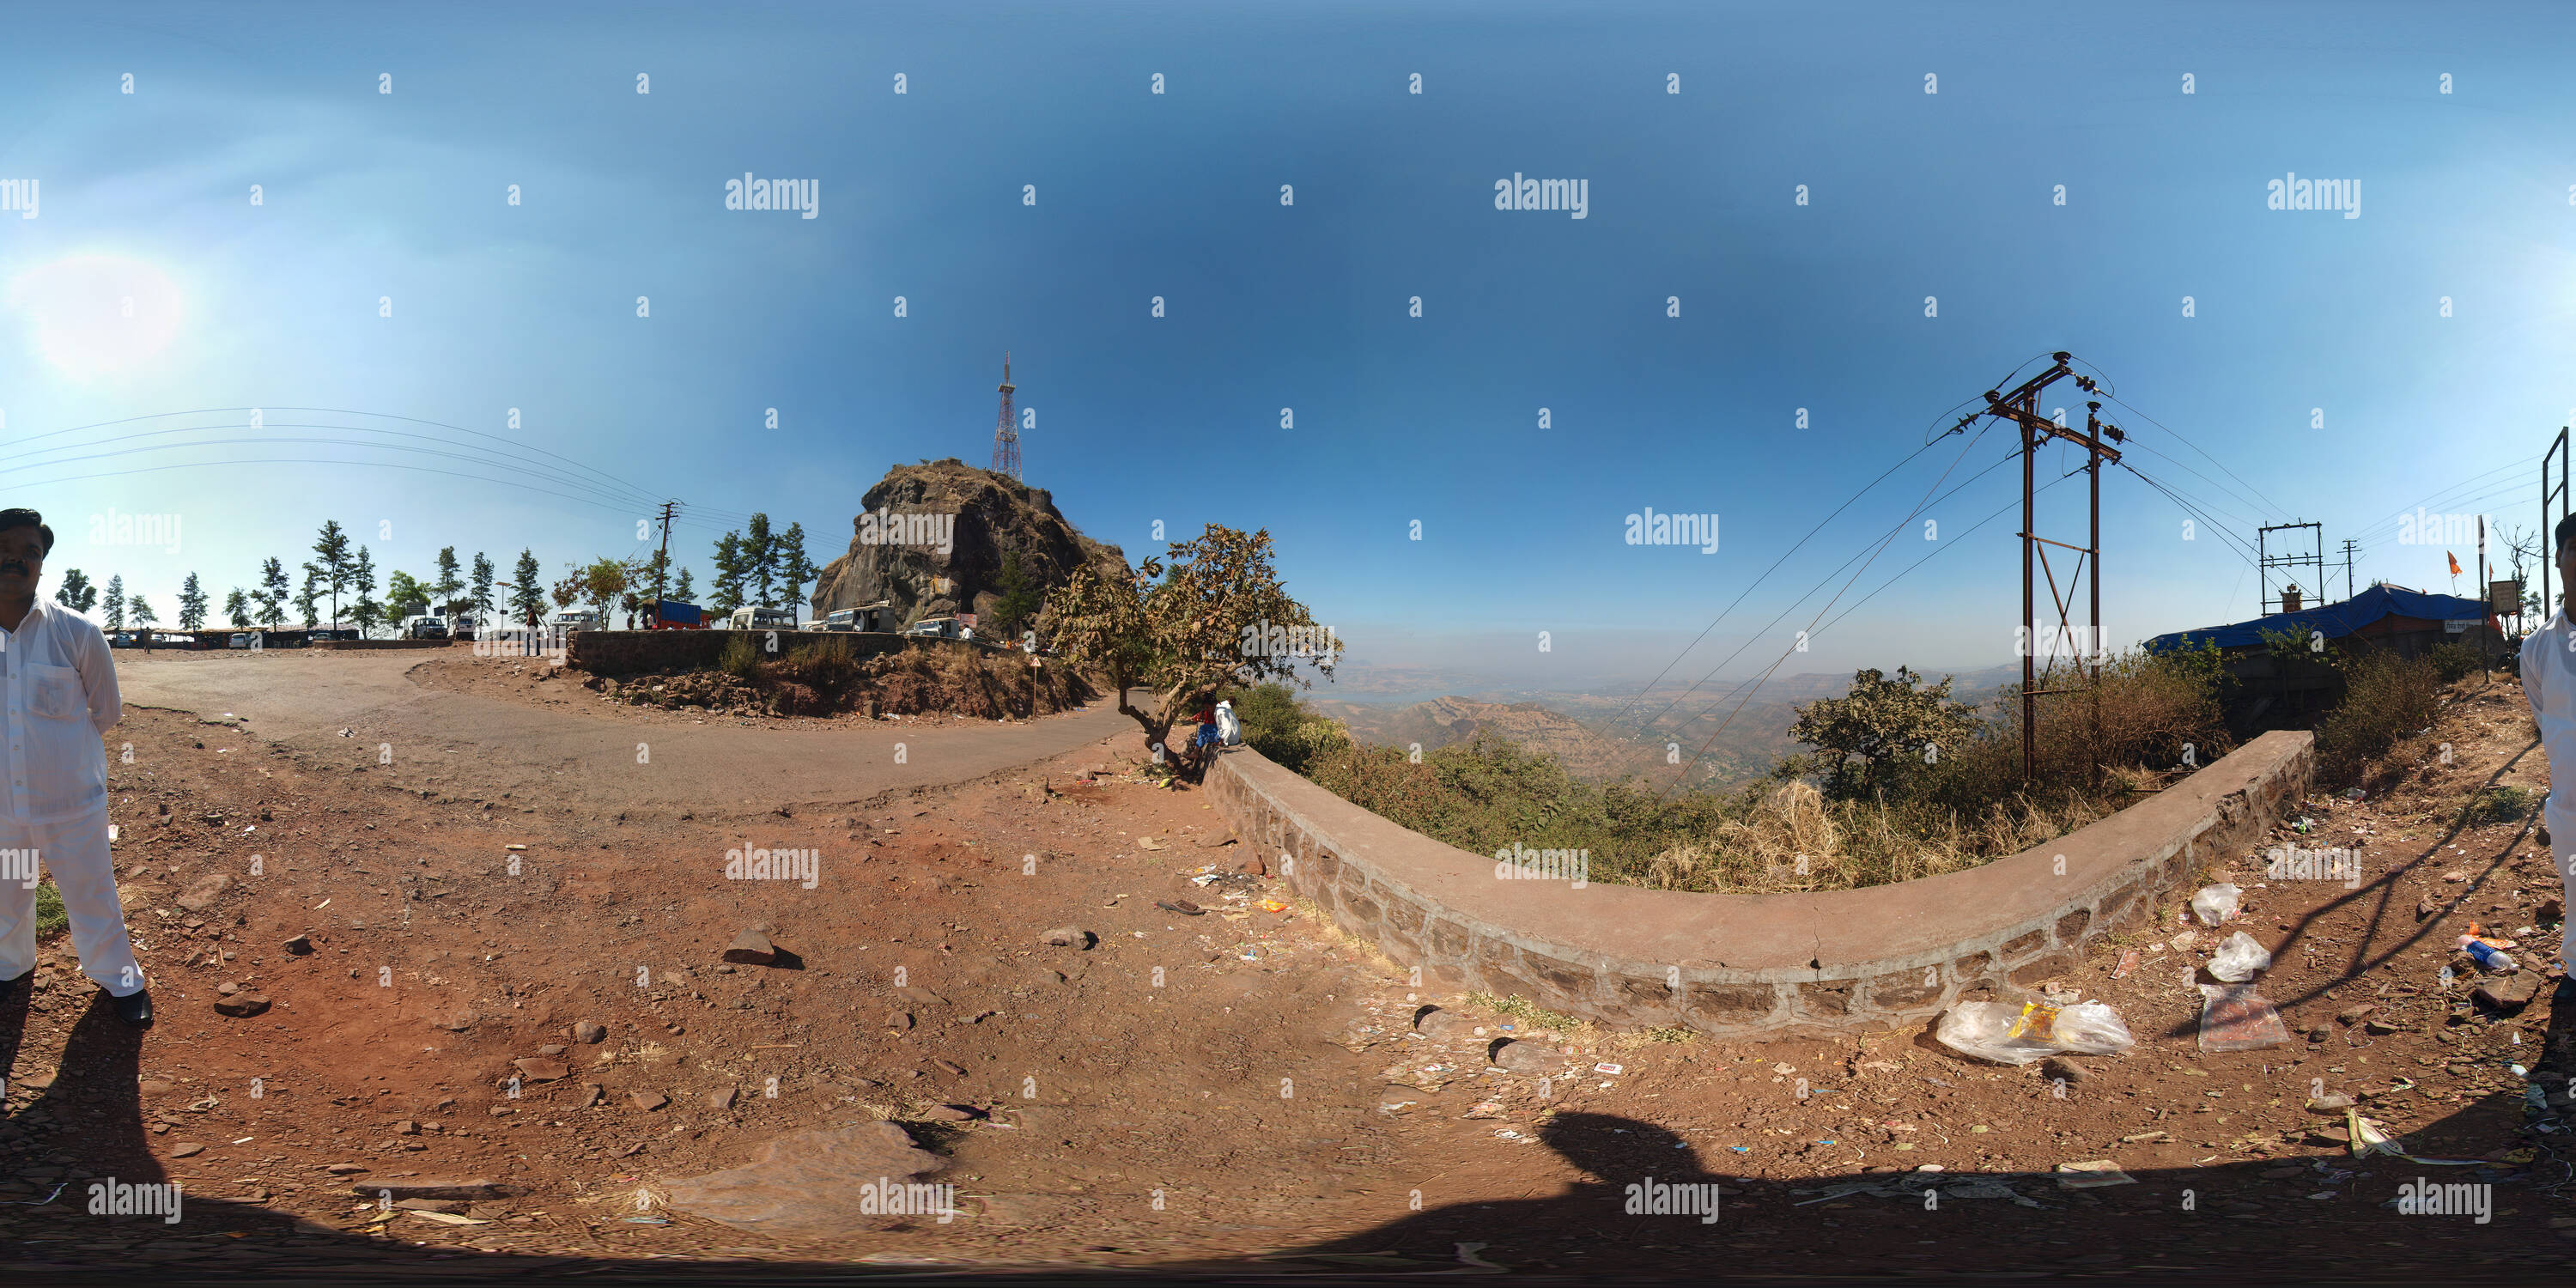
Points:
(2029, 623)
(2093, 469)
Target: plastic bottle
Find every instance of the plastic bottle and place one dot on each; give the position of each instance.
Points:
(2489, 957)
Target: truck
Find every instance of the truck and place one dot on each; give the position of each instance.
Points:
(750, 617)
(672, 615)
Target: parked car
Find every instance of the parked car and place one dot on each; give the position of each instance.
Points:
(577, 620)
(240, 640)
(752, 618)
(320, 633)
(944, 628)
(424, 627)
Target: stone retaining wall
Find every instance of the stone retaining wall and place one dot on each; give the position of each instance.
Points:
(634, 652)
(1886, 956)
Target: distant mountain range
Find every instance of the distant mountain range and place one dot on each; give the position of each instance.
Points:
(1602, 736)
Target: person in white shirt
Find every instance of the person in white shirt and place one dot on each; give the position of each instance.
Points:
(57, 696)
(2549, 682)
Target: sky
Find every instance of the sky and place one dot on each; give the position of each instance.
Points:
(289, 208)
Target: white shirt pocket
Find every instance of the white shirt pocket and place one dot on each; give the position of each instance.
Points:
(55, 693)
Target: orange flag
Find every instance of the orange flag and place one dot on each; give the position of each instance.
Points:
(2455, 562)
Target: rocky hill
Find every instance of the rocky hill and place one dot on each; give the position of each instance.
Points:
(1442, 721)
(896, 543)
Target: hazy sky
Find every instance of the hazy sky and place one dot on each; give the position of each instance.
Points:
(2318, 364)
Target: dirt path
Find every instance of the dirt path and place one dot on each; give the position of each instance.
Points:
(557, 754)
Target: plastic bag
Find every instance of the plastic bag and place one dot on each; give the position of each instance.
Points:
(2239, 958)
(2233, 1018)
(2215, 904)
(2018, 1033)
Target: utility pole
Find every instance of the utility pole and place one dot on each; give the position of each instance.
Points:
(2347, 567)
(2486, 600)
(2548, 532)
(2266, 561)
(2021, 406)
(662, 566)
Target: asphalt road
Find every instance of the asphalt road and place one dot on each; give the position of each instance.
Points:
(464, 745)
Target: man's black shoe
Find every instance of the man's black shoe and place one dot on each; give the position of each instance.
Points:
(135, 1008)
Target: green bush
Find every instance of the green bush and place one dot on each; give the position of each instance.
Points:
(51, 920)
(2386, 698)
(2502, 803)
(741, 657)
(2451, 661)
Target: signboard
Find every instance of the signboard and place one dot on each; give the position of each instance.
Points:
(2457, 625)
(2504, 598)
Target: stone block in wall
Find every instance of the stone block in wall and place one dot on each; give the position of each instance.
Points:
(2051, 966)
(1972, 966)
(2019, 945)
(1568, 978)
(1830, 999)
(1403, 915)
(1898, 990)
(2072, 926)
(1448, 938)
(1729, 1005)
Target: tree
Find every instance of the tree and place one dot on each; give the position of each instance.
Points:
(405, 595)
(685, 591)
(273, 594)
(482, 585)
(443, 591)
(795, 571)
(1218, 619)
(308, 601)
(1019, 602)
(362, 574)
(600, 583)
(1874, 739)
(237, 608)
(331, 559)
(727, 586)
(116, 602)
(527, 593)
(141, 611)
(760, 561)
(192, 604)
(75, 591)
(652, 579)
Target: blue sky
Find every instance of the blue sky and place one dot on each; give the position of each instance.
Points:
(369, 196)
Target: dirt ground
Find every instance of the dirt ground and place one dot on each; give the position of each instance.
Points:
(1241, 1091)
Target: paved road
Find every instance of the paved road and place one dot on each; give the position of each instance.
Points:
(477, 747)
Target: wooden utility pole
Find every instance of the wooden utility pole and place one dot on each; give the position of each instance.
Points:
(662, 566)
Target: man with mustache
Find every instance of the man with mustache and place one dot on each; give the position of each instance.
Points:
(57, 696)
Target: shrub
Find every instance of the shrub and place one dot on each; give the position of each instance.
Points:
(2451, 661)
(2503, 803)
(2386, 697)
(741, 657)
(51, 919)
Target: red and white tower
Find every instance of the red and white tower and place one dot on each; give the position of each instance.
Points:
(1006, 431)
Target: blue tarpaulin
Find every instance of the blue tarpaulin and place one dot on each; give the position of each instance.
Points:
(2334, 621)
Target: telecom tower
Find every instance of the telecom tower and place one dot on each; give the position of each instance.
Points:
(1006, 431)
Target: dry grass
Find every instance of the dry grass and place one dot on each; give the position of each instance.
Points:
(1794, 840)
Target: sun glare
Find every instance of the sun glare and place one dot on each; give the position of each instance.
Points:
(97, 315)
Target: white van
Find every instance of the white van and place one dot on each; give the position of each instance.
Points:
(752, 618)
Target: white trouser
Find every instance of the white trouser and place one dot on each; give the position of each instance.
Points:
(2562, 851)
(74, 853)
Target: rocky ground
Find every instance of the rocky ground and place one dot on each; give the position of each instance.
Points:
(511, 1039)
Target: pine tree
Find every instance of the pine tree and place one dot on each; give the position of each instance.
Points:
(116, 602)
(727, 586)
(192, 604)
(527, 592)
(75, 592)
(685, 590)
(443, 591)
(794, 569)
(331, 559)
(237, 608)
(482, 585)
(760, 552)
(274, 592)
(308, 601)
(141, 611)
(362, 575)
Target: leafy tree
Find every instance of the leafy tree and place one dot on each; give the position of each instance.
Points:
(730, 571)
(443, 591)
(652, 577)
(192, 604)
(795, 571)
(482, 585)
(273, 594)
(527, 593)
(237, 608)
(308, 601)
(1200, 628)
(599, 584)
(1020, 599)
(331, 559)
(405, 595)
(76, 592)
(760, 561)
(362, 574)
(1872, 740)
(685, 591)
(116, 602)
(141, 611)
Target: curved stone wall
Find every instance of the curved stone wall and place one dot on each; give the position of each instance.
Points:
(1731, 964)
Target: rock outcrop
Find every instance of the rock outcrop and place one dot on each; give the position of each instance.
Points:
(896, 556)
